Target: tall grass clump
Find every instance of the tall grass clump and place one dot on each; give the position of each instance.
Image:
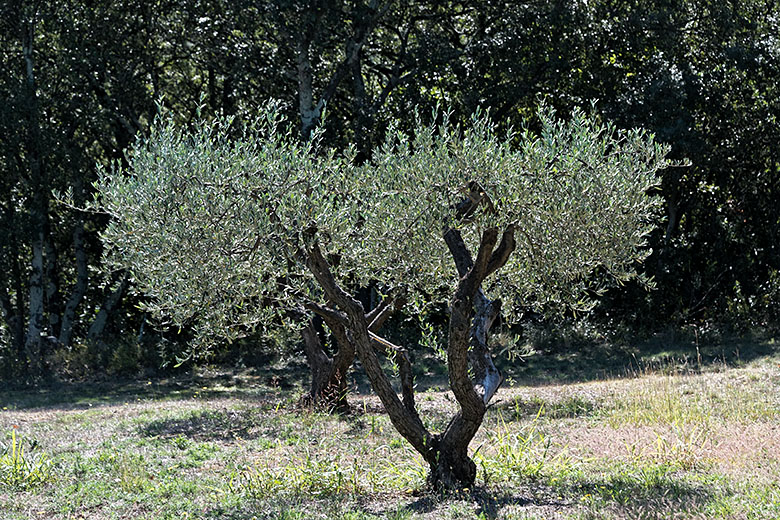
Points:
(19, 468)
(521, 453)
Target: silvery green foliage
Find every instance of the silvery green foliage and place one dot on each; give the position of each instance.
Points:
(576, 194)
(212, 227)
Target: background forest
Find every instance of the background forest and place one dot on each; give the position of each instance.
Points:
(80, 80)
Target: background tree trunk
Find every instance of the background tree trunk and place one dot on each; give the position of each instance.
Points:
(80, 287)
(99, 323)
(328, 375)
(38, 211)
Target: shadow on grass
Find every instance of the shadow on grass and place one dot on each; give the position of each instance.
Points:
(488, 503)
(653, 491)
(258, 386)
(672, 352)
(203, 425)
(579, 361)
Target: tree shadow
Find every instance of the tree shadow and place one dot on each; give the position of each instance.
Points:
(669, 352)
(207, 425)
(656, 491)
(582, 360)
(261, 388)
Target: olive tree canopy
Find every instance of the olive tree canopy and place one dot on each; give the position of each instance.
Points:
(234, 232)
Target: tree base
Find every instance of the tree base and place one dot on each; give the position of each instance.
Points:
(452, 471)
(328, 401)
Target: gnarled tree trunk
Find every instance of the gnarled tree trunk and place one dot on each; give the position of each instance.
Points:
(329, 375)
(471, 316)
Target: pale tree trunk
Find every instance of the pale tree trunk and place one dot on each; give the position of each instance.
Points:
(106, 310)
(80, 287)
(82, 273)
(310, 111)
(34, 342)
(38, 211)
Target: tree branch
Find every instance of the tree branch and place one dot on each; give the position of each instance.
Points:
(405, 421)
(401, 357)
(484, 255)
(501, 254)
(459, 251)
(326, 313)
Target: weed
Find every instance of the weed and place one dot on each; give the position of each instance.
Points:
(524, 453)
(20, 469)
(131, 474)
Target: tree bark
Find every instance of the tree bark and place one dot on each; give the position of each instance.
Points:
(99, 323)
(38, 213)
(310, 111)
(328, 375)
(471, 315)
(356, 325)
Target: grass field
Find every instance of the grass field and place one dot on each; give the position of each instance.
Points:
(662, 436)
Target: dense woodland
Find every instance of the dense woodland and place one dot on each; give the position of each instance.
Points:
(81, 80)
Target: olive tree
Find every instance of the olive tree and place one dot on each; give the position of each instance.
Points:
(257, 230)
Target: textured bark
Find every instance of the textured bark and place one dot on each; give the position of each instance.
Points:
(356, 327)
(328, 375)
(486, 311)
(401, 358)
(471, 315)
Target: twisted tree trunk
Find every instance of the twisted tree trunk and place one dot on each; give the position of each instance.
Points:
(329, 375)
(471, 316)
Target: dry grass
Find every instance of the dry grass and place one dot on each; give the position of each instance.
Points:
(703, 445)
